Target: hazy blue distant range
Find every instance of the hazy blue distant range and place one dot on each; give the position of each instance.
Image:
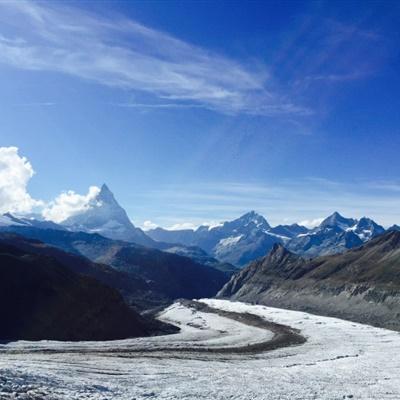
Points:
(250, 237)
(232, 243)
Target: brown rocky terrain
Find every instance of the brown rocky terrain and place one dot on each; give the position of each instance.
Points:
(361, 284)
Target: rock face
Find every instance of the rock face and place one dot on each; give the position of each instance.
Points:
(361, 284)
(41, 298)
(106, 217)
(289, 231)
(367, 229)
(152, 277)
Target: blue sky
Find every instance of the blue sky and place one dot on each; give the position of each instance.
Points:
(199, 111)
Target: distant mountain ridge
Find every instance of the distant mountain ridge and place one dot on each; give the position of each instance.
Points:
(335, 234)
(232, 243)
(250, 236)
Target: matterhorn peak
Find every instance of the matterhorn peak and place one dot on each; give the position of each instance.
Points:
(106, 195)
(105, 188)
(106, 217)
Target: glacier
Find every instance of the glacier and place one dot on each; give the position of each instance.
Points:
(339, 360)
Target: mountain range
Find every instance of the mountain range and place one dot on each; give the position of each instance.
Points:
(251, 236)
(226, 246)
(360, 284)
(343, 267)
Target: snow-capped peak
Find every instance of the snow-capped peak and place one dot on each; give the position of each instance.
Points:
(337, 220)
(106, 217)
(253, 218)
(366, 229)
(106, 196)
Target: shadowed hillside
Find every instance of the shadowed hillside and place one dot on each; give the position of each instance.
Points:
(40, 298)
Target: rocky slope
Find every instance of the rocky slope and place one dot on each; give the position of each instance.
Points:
(362, 284)
(153, 277)
(41, 298)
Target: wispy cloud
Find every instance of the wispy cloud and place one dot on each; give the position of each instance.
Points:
(35, 104)
(337, 77)
(159, 105)
(304, 200)
(124, 53)
(324, 51)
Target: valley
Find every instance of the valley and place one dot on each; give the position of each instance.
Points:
(199, 200)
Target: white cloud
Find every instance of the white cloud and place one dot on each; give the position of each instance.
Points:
(123, 53)
(147, 225)
(15, 173)
(182, 225)
(311, 223)
(68, 204)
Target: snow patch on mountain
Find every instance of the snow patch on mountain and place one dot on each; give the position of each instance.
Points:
(230, 241)
(9, 220)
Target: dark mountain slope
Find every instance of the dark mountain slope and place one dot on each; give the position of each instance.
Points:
(362, 284)
(163, 276)
(42, 299)
(135, 290)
